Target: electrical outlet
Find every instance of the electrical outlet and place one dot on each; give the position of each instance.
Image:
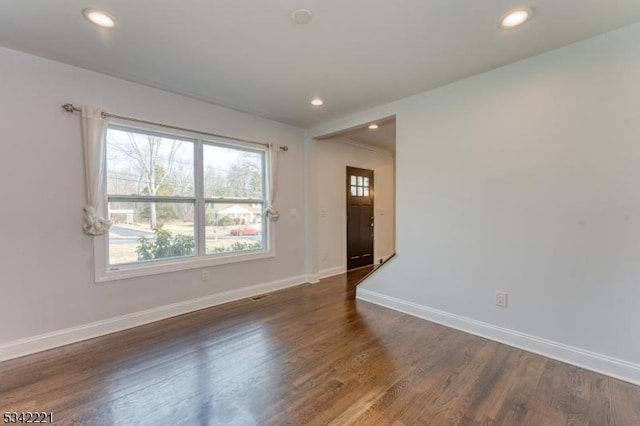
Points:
(205, 275)
(502, 299)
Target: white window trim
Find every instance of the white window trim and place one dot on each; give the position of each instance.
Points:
(106, 273)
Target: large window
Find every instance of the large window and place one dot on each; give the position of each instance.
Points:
(176, 200)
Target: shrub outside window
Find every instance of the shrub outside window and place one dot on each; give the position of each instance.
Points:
(177, 202)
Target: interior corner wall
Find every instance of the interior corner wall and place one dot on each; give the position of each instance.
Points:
(526, 179)
(46, 262)
(332, 158)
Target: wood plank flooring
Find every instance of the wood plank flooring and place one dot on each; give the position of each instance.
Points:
(308, 355)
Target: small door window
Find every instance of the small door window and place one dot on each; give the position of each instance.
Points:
(359, 186)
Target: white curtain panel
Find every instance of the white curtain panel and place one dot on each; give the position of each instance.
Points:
(271, 211)
(94, 132)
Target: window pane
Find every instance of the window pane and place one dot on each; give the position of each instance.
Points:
(232, 228)
(142, 164)
(232, 172)
(359, 180)
(366, 192)
(132, 237)
(359, 191)
(366, 182)
(354, 191)
(353, 180)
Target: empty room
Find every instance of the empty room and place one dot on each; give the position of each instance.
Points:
(313, 213)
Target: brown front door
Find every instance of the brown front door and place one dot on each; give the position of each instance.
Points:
(359, 217)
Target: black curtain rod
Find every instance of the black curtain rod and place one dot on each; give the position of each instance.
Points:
(72, 108)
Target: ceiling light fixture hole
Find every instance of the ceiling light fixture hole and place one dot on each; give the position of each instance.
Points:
(302, 16)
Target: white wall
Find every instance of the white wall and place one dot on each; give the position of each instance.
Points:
(332, 157)
(527, 180)
(46, 262)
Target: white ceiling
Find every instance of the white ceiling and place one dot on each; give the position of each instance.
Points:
(250, 55)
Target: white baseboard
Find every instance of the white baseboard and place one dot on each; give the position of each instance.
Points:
(330, 272)
(617, 368)
(313, 279)
(66, 336)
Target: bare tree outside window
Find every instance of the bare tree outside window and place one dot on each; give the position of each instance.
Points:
(151, 181)
(150, 165)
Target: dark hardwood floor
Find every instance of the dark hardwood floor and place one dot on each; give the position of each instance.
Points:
(308, 355)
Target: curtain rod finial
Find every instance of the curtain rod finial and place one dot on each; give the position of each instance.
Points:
(70, 108)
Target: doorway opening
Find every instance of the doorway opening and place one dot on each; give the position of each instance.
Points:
(355, 221)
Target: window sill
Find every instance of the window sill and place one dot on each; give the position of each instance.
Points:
(162, 267)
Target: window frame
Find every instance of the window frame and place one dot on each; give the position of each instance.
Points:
(105, 272)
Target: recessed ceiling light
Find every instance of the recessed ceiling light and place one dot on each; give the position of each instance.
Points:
(515, 17)
(99, 18)
(302, 16)
(316, 101)
(373, 126)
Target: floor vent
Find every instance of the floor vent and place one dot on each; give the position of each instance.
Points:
(260, 297)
